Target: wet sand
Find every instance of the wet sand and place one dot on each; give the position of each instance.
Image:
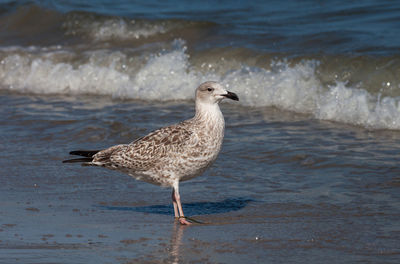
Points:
(92, 227)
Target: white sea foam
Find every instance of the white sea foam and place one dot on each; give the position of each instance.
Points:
(116, 28)
(297, 88)
(169, 75)
(357, 106)
(42, 74)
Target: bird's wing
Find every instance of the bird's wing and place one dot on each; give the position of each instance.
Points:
(144, 152)
(103, 157)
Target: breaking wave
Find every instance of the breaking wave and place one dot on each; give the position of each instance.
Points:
(171, 75)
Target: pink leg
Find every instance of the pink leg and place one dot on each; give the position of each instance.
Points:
(175, 204)
(177, 199)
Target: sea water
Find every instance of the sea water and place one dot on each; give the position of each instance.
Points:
(309, 167)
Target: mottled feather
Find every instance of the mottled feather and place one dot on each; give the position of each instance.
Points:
(176, 152)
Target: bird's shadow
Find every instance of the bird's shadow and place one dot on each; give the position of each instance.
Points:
(198, 208)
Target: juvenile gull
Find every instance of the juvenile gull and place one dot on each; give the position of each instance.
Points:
(174, 153)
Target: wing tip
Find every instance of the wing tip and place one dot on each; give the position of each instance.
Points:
(84, 153)
(80, 160)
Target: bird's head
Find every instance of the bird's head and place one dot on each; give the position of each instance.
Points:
(212, 93)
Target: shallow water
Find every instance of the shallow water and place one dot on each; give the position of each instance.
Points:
(285, 188)
(308, 172)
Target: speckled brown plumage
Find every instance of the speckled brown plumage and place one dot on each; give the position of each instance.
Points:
(174, 153)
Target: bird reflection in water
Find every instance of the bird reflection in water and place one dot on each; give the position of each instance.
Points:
(176, 243)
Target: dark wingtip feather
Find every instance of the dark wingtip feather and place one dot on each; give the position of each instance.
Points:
(84, 153)
(78, 160)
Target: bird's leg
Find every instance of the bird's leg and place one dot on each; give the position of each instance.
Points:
(177, 198)
(175, 204)
(182, 218)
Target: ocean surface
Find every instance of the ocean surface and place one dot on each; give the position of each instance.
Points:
(309, 171)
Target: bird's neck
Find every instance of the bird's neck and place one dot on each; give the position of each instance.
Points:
(210, 125)
(210, 114)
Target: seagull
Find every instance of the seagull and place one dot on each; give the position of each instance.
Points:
(173, 153)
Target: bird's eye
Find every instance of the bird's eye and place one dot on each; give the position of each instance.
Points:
(210, 89)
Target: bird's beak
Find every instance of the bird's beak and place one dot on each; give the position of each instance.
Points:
(231, 95)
